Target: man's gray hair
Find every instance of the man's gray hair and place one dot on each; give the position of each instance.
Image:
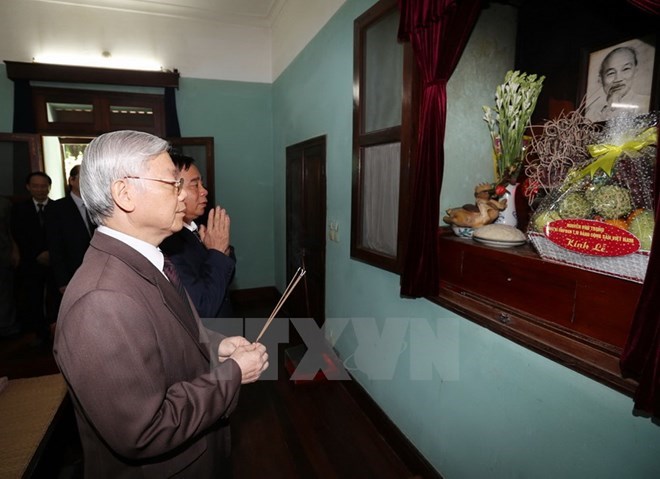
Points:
(111, 157)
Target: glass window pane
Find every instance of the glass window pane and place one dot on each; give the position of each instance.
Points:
(69, 112)
(384, 75)
(131, 116)
(380, 197)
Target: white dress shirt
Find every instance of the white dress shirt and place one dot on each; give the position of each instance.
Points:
(149, 251)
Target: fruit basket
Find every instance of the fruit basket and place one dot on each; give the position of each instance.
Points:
(601, 217)
(631, 267)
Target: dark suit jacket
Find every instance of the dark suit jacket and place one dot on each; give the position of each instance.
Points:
(68, 239)
(205, 273)
(150, 396)
(28, 233)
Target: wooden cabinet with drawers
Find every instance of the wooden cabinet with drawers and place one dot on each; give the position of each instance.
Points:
(576, 317)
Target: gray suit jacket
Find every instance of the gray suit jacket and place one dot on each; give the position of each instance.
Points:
(150, 396)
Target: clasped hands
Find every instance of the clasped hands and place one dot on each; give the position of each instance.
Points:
(215, 235)
(251, 358)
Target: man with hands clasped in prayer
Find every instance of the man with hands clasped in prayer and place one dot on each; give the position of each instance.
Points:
(202, 255)
(151, 387)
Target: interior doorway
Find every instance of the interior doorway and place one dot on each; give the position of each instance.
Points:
(305, 227)
(61, 154)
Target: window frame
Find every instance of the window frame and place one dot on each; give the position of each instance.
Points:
(101, 101)
(70, 75)
(403, 133)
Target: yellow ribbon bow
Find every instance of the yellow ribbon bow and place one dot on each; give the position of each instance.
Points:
(606, 155)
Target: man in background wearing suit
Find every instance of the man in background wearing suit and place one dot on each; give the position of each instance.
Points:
(151, 387)
(203, 256)
(34, 276)
(69, 231)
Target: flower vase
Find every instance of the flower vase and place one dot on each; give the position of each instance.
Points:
(508, 216)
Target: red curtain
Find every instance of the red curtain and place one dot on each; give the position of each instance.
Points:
(650, 6)
(641, 355)
(438, 31)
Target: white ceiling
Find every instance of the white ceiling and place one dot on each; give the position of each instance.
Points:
(241, 12)
(238, 40)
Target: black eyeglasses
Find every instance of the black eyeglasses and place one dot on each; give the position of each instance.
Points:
(178, 184)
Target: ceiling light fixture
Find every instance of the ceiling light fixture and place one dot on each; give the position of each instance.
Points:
(105, 60)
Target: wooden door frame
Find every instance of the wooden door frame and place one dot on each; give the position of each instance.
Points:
(319, 141)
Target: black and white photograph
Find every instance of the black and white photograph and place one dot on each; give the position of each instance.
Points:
(620, 79)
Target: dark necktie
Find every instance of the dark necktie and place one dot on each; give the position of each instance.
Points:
(40, 213)
(170, 271)
(173, 276)
(196, 233)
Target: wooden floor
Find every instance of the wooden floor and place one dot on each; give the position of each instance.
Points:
(280, 429)
(313, 430)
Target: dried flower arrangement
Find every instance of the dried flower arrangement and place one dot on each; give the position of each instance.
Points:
(561, 146)
(515, 101)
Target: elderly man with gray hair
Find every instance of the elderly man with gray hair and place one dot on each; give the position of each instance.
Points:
(151, 387)
(617, 76)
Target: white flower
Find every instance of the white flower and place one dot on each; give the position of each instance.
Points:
(515, 101)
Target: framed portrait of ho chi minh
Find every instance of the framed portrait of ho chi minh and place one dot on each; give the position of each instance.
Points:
(619, 79)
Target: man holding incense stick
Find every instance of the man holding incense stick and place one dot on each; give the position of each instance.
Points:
(151, 387)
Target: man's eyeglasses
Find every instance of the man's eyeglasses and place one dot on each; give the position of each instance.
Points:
(178, 184)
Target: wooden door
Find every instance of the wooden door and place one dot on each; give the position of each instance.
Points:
(305, 227)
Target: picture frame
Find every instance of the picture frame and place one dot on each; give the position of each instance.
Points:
(626, 85)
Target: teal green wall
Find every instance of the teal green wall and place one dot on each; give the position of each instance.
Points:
(493, 409)
(239, 116)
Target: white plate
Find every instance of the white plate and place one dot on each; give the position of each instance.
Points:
(499, 243)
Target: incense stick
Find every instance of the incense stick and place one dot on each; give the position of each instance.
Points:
(290, 287)
(292, 284)
(286, 293)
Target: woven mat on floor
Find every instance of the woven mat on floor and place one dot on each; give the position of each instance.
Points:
(27, 407)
